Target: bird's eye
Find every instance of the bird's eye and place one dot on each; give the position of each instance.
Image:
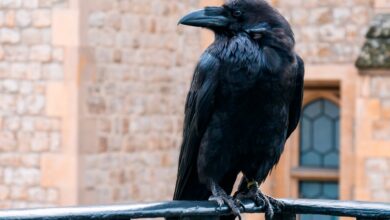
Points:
(237, 13)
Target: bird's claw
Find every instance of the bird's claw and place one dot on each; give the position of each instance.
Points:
(228, 200)
(217, 199)
(269, 204)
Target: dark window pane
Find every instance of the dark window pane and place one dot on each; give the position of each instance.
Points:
(318, 190)
(313, 110)
(331, 160)
(323, 132)
(310, 190)
(319, 135)
(311, 159)
(331, 110)
(305, 139)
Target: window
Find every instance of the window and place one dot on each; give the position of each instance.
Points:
(319, 136)
(319, 139)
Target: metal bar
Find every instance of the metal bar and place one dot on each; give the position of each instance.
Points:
(337, 208)
(153, 210)
(202, 208)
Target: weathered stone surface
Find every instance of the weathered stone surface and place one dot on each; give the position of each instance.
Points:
(28, 61)
(375, 50)
(41, 18)
(378, 170)
(23, 18)
(9, 36)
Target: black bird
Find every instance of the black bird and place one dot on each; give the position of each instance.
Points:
(244, 102)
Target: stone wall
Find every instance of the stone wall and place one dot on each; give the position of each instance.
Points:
(378, 173)
(28, 61)
(373, 137)
(140, 66)
(329, 31)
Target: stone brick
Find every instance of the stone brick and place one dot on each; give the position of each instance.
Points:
(18, 193)
(31, 4)
(26, 87)
(27, 124)
(10, 160)
(16, 52)
(10, 19)
(381, 130)
(12, 123)
(380, 87)
(377, 165)
(7, 142)
(97, 19)
(4, 192)
(2, 18)
(40, 142)
(11, 3)
(41, 18)
(34, 71)
(1, 54)
(53, 71)
(30, 160)
(386, 108)
(32, 36)
(36, 194)
(10, 85)
(35, 103)
(113, 20)
(9, 35)
(21, 176)
(23, 18)
(40, 53)
(46, 36)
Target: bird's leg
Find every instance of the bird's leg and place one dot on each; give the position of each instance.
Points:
(252, 192)
(220, 196)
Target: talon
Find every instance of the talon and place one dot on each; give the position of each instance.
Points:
(220, 196)
(217, 199)
(239, 204)
(269, 204)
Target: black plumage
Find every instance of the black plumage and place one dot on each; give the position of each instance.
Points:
(244, 102)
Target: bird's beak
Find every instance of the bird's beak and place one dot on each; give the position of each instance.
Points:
(210, 17)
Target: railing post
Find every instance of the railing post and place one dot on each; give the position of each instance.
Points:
(284, 216)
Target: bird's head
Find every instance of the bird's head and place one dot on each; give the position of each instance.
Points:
(235, 16)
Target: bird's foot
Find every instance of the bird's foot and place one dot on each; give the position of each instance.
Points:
(220, 197)
(228, 200)
(271, 205)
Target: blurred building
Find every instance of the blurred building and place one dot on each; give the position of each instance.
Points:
(92, 95)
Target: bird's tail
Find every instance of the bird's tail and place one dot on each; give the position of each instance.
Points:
(189, 188)
(193, 190)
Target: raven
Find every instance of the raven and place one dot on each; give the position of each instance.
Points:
(244, 102)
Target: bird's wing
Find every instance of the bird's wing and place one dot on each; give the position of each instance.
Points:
(296, 104)
(198, 111)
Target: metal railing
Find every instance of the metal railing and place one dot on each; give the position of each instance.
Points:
(359, 210)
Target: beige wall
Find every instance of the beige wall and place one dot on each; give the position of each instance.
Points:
(29, 64)
(139, 65)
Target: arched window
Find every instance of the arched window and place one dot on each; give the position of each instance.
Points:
(319, 151)
(319, 145)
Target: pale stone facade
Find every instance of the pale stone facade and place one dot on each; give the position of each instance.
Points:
(92, 95)
(28, 62)
(140, 64)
